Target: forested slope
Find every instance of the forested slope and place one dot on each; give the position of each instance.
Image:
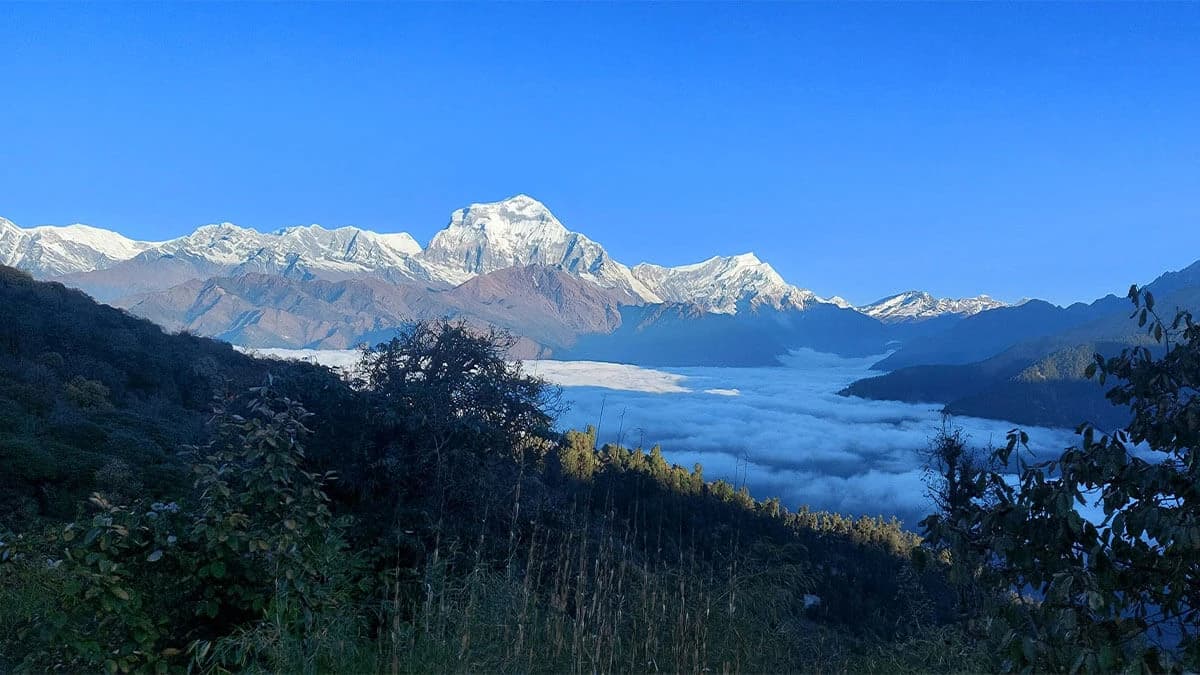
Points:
(92, 397)
(173, 504)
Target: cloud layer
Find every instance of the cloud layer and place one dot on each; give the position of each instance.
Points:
(787, 433)
(607, 375)
(783, 431)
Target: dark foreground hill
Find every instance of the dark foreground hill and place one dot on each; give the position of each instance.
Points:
(167, 504)
(91, 396)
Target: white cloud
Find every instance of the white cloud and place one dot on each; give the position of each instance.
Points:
(789, 434)
(334, 358)
(617, 376)
(784, 431)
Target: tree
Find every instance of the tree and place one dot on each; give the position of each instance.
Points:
(1120, 591)
(577, 454)
(269, 548)
(450, 418)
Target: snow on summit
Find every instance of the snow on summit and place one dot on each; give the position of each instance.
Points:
(721, 284)
(49, 250)
(919, 305)
(520, 230)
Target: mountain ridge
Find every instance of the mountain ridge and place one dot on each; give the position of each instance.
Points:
(1027, 363)
(480, 238)
(915, 305)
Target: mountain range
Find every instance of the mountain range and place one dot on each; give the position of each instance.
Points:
(510, 263)
(514, 265)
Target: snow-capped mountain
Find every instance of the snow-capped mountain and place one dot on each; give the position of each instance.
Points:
(48, 251)
(723, 284)
(510, 264)
(919, 305)
(480, 239)
(521, 231)
(314, 249)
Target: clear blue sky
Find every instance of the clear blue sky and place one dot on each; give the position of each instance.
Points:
(1018, 150)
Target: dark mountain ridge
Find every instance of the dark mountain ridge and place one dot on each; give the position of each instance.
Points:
(1039, 379)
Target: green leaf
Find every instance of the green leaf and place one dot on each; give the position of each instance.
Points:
(217, 570)
(155, 556)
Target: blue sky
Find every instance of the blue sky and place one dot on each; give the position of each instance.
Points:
(1019, 150)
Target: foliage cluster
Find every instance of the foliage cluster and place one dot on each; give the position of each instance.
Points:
(1056, 587)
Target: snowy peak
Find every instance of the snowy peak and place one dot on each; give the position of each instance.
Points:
(723, 284)
(349, 244)
(48, 250)
(218, 243)
(51, 251)
(105, 242)
(509, 217)
(839, 301)
(399, 241)
(341, 251)
(483, 238)
(519, 231)
(918, 306)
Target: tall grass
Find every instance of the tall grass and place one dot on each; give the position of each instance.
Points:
(606, 595)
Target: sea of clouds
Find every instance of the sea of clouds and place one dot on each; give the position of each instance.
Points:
(786, 432)
(783, 431)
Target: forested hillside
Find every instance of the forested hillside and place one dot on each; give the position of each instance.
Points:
(172, 504)
(92, 398)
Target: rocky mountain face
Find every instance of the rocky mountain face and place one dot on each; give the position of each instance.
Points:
(544, 305)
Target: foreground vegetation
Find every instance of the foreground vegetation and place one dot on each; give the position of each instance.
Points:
(172, 505)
